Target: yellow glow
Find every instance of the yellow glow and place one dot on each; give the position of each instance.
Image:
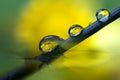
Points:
(40, 19)
(103, 13)
(48, 45)
(75, 31)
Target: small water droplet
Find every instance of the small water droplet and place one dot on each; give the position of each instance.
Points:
(48, 43)
(75, 30)
(102, 15)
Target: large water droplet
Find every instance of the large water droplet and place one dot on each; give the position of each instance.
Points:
(48, 43)
(102, 15)
(75, 30)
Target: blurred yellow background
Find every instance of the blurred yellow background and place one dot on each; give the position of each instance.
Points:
(96, 58)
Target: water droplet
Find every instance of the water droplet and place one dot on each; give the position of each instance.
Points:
(48, 43)
(102, 15)
(75, 30)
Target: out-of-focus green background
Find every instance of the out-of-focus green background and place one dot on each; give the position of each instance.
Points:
(23, 23)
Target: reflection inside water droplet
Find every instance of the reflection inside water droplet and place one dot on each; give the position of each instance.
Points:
(75, 30)
(102, 15)
(48, 43)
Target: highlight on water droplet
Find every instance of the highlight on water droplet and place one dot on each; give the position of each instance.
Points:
(48, 43)
(75, 30)
(102, 15)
